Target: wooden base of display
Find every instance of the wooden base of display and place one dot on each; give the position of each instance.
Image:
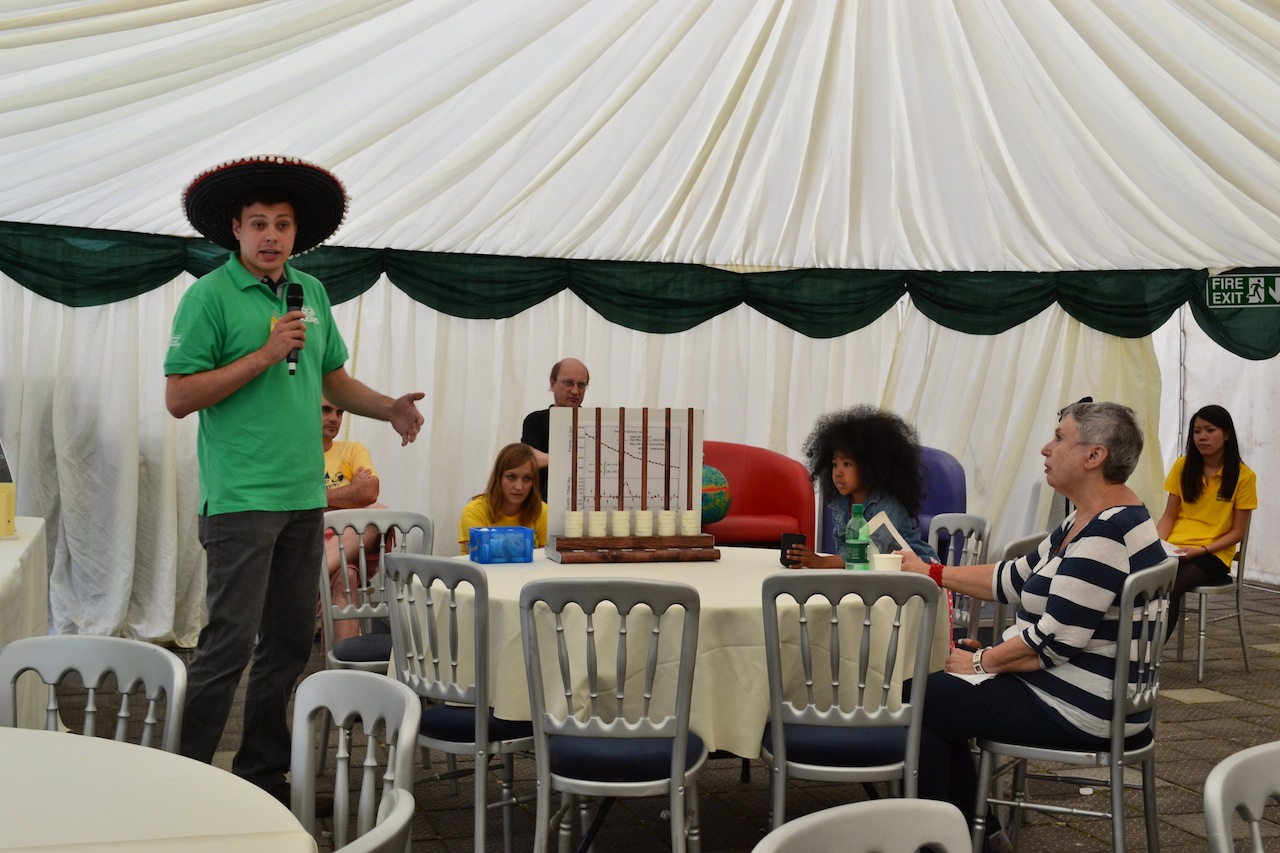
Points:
(632, 549)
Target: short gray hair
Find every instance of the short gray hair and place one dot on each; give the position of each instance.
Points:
(1114, 427)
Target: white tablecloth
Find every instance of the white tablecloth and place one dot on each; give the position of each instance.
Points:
(731, 684)
(24, 605)
(69, 791)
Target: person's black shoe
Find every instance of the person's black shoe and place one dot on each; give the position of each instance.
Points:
(324, 802)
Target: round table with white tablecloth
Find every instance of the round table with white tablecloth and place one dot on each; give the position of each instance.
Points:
(731, 685)
(66, 791)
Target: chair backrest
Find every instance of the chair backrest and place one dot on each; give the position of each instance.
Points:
(848, 685)
(648, 628)
(414, 533)
(1136, 681)
(873, 826)
(395, 822)
(1243, 784)
(155, 671)
(1023, 545)
(440, 648)
(388, 712)
(960, 538)
(1242, 551)
(944, 485)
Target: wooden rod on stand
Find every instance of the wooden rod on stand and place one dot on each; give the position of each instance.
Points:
(622, 450)
(573, 465)
(666, 464)
(598, 459)
(644, 458)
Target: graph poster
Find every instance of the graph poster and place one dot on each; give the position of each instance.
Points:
(622, 458)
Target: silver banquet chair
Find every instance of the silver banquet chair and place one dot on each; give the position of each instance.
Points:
(371, 649)
(392, 831)
(440, 636)
(137, 667)
(610, 665)
(1233, 588)
(1146, 595)
(822, 651)
(1242, 784)
(873, 826)
(960, 539)
(1012, 550)
(369, 764)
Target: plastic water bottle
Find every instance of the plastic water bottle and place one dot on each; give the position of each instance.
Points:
(856, 542)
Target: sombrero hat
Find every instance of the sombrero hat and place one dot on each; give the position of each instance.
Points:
(319, 199)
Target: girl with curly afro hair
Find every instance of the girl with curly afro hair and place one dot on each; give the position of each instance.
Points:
(867, 456)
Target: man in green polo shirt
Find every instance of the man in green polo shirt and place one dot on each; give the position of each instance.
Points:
(235, 347)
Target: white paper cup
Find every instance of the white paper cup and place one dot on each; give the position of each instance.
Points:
(598, 523)
(886, 562)
(573, 523)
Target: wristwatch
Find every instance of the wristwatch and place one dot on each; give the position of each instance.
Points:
(977, 661)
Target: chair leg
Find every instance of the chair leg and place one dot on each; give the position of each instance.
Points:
(1149, 805)
(1244, 644)
(1117, 806)
(1017, 793)
(508, 800)
(1182, 620)
(694, 819)
(480, 831)
(778, 792)
(1201, 625)
(985, 766)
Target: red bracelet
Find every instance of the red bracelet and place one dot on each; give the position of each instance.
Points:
(935, 572)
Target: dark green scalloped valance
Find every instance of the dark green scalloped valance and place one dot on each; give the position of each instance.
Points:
(80, 267)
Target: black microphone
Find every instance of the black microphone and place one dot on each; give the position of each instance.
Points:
(293, 302)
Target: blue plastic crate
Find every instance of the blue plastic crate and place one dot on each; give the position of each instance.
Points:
(501, 545)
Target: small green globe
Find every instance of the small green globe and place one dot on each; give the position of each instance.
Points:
(715, 495)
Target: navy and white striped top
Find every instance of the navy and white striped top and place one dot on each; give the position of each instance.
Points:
(1068, 610)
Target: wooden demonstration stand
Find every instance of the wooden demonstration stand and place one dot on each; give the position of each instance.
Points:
(616, 466)
(633, 549)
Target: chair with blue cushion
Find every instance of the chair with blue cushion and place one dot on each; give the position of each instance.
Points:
(370, 650)
(440, 638)
(834, 712)
(610, 665)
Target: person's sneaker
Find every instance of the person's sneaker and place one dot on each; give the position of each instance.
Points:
(998, 842)
(324, 802)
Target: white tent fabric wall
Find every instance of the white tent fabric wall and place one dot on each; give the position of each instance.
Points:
(82, 414)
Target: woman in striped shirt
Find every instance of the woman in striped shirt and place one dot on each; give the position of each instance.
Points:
(1048, 683)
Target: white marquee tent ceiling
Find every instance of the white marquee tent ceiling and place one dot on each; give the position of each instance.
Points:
(858, 134)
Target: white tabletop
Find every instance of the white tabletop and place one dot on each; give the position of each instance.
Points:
(24, 604)
(731, 685)
(70, 791)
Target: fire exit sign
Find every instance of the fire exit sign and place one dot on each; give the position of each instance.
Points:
(1242, 291)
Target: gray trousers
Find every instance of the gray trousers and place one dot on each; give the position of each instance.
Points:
(262, 574)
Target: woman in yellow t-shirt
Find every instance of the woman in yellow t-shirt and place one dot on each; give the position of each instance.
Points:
(512, 498)
(1211, 495)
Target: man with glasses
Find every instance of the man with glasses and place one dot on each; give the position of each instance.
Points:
(569, 379)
